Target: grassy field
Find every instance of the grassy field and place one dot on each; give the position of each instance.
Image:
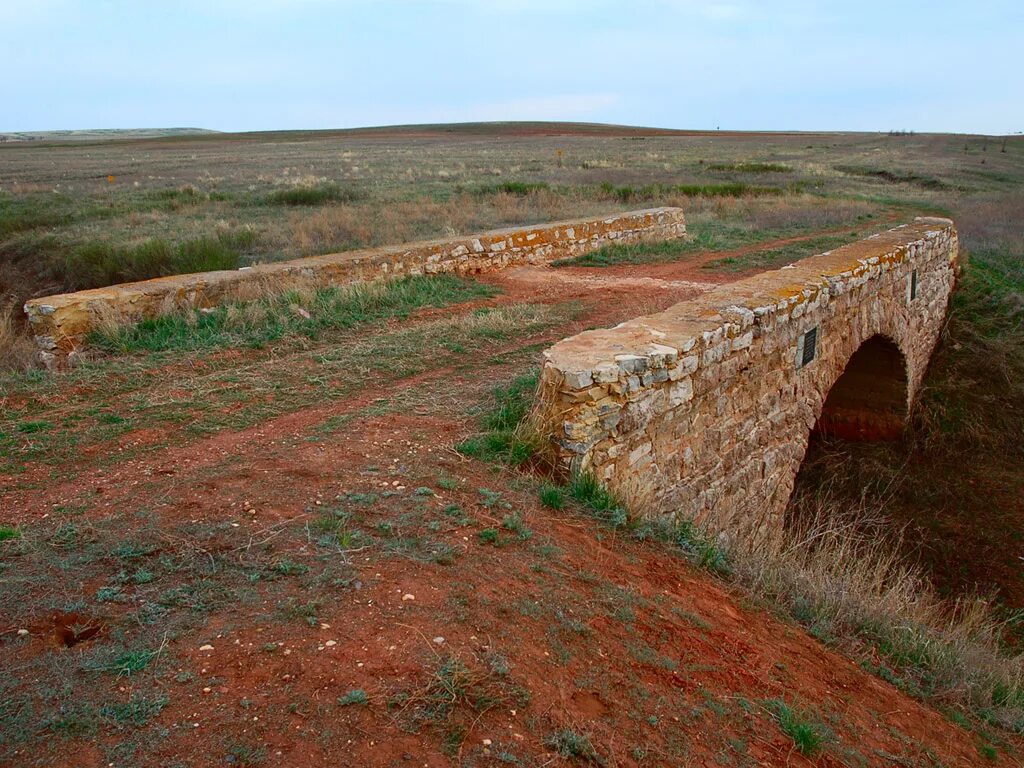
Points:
(80, 215)
(313, 527)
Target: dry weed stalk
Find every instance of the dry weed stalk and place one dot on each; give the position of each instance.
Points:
(17, 351)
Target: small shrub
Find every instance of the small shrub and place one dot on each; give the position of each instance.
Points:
(137, 711)
(355, 697)
(568, 743)
(246, 755)
(489, 536)
(752, 167)
(515, 524)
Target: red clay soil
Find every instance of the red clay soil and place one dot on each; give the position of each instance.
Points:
(271, 573)
(660, 656)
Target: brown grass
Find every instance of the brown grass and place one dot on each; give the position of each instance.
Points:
(17, 351)
(840, 572)
(346, 227)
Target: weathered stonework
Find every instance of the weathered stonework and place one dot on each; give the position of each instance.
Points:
(704, 410)
(61, 323)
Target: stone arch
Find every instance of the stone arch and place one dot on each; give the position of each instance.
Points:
(869, 400)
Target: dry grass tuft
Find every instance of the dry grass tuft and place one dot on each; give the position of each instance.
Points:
(838, 571)
(108, 321)
(17, 351)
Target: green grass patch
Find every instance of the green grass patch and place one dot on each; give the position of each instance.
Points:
(22, 213)
(101, 263)
(750, 167)
(489, 536)
(894, 177)
(598, 500)
(317, 194)
(7, 533)
(257, 323)
(503, 438)
(552, 496)
(772, 258)
(32, 427)
(629, 194)
(807, 733)
(517, 188)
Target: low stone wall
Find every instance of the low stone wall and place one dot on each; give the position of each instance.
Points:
(704, 410)
(61, 323)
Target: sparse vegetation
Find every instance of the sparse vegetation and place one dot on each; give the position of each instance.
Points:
(629, 194)
(807, 733)
(843, 579)
(568, 743)
(301, 313)
(894, 177)
(518, 188)
(355, 697)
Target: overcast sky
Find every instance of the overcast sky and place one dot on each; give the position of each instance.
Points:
(270, 64)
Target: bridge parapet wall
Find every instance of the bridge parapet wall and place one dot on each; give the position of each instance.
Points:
(61, 323)
(704, 410)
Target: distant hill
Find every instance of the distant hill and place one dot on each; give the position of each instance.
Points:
(101, 134)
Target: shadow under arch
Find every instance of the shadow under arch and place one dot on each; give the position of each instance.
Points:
(868, 402)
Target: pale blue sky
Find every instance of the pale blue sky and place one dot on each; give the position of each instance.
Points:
(737, 64)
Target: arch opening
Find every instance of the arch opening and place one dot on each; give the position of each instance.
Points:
(868, 402)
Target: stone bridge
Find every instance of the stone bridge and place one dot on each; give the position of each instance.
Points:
(704, 411)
